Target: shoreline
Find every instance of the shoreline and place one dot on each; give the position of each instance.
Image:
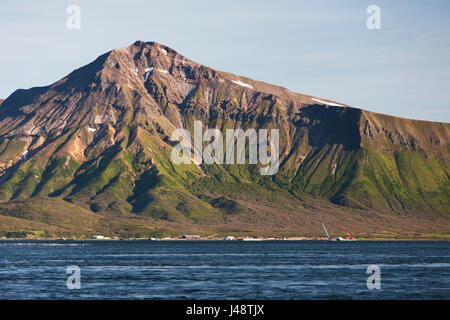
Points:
(224, 240)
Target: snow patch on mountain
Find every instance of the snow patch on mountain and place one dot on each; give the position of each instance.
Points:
(24, 155)
(328, 103)
(240, 83)
(147, 72)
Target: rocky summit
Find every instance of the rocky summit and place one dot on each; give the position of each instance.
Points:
(91, 154)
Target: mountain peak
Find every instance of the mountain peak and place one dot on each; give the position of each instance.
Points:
(140, 47)
(140, 43)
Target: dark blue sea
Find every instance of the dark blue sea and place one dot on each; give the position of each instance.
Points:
(224, 270)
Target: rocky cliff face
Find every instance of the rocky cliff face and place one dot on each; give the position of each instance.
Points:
(99, 139)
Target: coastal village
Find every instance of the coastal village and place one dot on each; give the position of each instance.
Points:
(197, 237)
(193, 237)
(180, 238)
(189, 237)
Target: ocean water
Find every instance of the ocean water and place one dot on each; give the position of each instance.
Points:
(224, 269)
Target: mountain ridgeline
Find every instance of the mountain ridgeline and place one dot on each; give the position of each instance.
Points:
(92, 153)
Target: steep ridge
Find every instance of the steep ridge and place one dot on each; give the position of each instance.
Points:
(100, 139)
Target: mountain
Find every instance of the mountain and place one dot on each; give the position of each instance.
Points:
(91, 153)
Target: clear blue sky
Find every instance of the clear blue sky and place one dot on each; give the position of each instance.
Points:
(322, 48)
